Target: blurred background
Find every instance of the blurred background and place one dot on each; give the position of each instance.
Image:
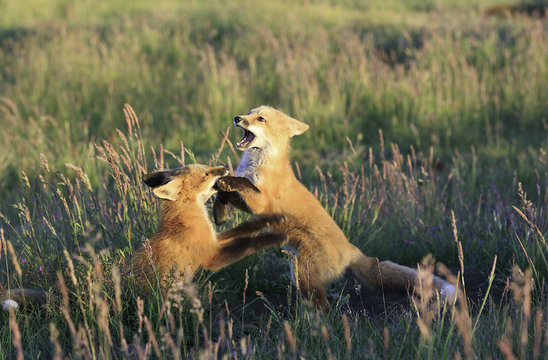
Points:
(466, 77)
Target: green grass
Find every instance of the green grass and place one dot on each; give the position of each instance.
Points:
(460, 98)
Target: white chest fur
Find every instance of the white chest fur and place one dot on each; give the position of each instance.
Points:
(249, 166)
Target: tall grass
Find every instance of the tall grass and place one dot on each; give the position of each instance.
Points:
(428, 136)
(71, 239)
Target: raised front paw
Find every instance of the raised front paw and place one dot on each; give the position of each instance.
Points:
(236, 183)
(224, 184)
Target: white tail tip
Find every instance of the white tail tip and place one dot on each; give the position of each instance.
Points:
(9, 304)
(448, 291)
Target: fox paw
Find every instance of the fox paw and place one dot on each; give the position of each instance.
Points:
(223, 184)
(281, 238)
(276, 219)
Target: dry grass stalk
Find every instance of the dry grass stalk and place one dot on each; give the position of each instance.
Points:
(71, 268)
(230, 326)
(460, 250)
(103, 319)
(14, 260)
(268, 325)
(505, 344)
(522, 286)
(142, 353)
(152, 337)
(140, 310)
(16, 335)
(81, 175)
(3, 246)
(290, 338)
(116, 278)
(54, 338)
(91, 293)
(529, 260)
(191, 292)
(464, 325)
(295, 267)
(347, 338)
(245, 285)
(222, 334)
(538, 333)
(64, 289)
(425, 293)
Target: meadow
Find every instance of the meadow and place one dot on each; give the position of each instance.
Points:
(428, 144)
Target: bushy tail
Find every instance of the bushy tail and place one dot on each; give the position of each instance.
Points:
(14, 298)
(386, 275)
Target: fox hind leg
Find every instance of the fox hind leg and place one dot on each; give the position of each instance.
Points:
(311, 288)
(310, 285)
(387, 275)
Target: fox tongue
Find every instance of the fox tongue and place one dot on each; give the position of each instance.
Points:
(248, 137)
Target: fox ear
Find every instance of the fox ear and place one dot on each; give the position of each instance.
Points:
(296, 127)
(162, 184)
(157, 178)
(169, 191)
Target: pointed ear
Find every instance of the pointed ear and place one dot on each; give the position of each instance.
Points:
(157, 178)
(169, 191)
(162, 184)
(296, 127)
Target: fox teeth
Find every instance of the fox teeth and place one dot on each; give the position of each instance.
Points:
(248, 137)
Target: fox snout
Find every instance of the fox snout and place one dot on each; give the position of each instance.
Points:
(219, 171)
(240, 121)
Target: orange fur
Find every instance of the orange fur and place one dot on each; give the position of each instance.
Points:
(322, 249)
(186, 240)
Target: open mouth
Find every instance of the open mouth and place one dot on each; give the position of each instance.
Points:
(246, 139)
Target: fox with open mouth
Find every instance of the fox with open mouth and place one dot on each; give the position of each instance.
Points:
(266, 184)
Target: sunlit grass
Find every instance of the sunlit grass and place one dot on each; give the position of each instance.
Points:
(428, 135)
(72, 238)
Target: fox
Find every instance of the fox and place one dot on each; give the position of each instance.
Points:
(266, 184)
(186, 239)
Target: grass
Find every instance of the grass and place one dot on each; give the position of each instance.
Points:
(428, 135)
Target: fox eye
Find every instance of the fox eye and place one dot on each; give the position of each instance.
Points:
(207, 173)
(261, 119)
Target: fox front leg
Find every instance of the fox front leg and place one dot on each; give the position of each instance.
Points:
(232, 190)
(239, 248)
(220, 206)
(252, 227)
(236, 183)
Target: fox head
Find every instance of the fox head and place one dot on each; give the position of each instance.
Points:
(192, 182)
(267, 127)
